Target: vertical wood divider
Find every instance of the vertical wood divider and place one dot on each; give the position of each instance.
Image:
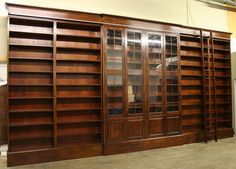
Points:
(8, 108)
(125, 92)
(164, 82)
(102, 88)
(147, 92)
(179, 83)
(145, 111)
(54, 83)
(204, 85)
(209, 112)
(214, 85)
(124, 37)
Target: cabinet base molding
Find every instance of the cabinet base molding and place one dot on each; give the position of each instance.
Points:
(65, 153)
(53, 154)
(161, 142)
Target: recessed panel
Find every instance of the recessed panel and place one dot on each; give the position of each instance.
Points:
(156, 127)
(115, 129)
(173, 125)
(135, 128)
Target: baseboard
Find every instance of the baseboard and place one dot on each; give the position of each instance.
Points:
(161, 142)
(53, 154)
(64, 153)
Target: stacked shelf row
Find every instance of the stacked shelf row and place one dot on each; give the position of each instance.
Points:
(54, 84)
(193, 49)
(222, 66)
(30, 84)
(191, 83)
(78, 84)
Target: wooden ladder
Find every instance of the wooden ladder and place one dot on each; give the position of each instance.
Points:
(209, 88)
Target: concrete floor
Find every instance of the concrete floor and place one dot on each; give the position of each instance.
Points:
(214, 155)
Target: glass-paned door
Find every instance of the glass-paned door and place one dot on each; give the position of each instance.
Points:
(114, 69)
(135, 72)
(155, 73)
(172, 78)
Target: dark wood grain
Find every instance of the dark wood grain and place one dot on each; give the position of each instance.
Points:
(3, 114)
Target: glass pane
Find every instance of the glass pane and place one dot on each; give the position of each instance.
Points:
(118, 42)
(114, 57)
(172, 88)
(155, 73)
(117, 33)
(114, 65)
(171, 108)
(172, 62)
(138, 36)
(138, 56)
(110, 41)
(171, 44)
(173, 98)
(110, 33)
(114, 53)
(155, 37)
(154, 45)
(114, 94)
(135, 72)
(130, 35)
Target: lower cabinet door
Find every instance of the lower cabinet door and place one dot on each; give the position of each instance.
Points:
(135, 128)
(115, 130)
(156, 126)
(173, 125)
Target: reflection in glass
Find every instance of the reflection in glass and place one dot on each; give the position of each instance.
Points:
(155, 37)
(134, 35)
(171, 63)
(114, 94)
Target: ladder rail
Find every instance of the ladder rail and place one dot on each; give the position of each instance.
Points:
(204, 84)
(209, 112)
(214, 87)
(209, 86)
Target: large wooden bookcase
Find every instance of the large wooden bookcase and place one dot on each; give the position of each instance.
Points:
(83, 84)
(3, 114)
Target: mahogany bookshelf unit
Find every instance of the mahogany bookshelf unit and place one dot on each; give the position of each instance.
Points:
(83, 84)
